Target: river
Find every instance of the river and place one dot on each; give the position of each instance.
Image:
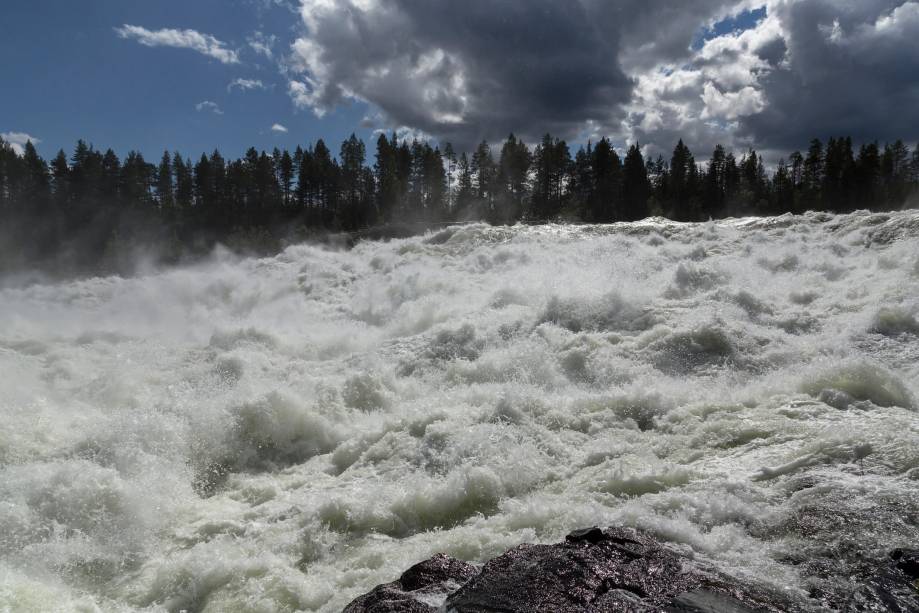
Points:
(284, 433)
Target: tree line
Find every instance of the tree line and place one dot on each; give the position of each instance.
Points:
(90, 209)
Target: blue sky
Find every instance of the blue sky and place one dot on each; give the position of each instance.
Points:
(707, 71)
(69, 75)
(736, 23)
(73, 76)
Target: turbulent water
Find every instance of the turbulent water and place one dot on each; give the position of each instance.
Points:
(284, 433)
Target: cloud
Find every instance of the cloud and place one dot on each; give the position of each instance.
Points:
(852, 68)
(465, 70)
(278, 128)
(766, 73)
(731, 105)
(17, 140)
(702, 95)
(262, 44)
(809, 68)
(303, 95)
(245, 84)
(181, 39)
(207, 105)
(266, 5)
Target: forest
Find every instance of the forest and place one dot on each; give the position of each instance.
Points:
(94, 212)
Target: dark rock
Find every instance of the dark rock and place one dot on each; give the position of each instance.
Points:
(387, 598)
(839, 572)
(907, 560)
(590, 535)
(439, 574)
(888, 585)
(593, 571)
(617, 569)
(706, 601)
(436, 572)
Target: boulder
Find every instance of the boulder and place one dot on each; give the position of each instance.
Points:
(597, 570)
(618, 569)
(426, 582)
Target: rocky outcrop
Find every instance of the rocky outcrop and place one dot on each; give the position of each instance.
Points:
(618, 569)
(417, 589)
(594, 570)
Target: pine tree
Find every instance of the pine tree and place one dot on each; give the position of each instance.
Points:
(95, 199)
(60, 177)
(306, 181)
(36, 183)
(386, 176)
(137, 180)
(449, 156)
(111, 176)
(219, 195)
(714, 194)
(813, 175)
(7, 161)
(552, 164)
(895, 168)
(326, 181)
(204, 182)
(164, 194)
(35, 193)
(286, 176)
(914, 167)
(483, 170)
(783, 189)
(354, 193)
(184, 183)
(510, 180)
(464, 193)
(606, 171)
(682, 204)
(635, 186)
(435, 180)
(868, 176)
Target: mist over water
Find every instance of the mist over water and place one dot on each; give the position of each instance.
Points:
(285, 433)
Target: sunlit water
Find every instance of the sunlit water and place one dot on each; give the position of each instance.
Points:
(284, 433)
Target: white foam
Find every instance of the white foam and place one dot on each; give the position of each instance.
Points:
(285, 433)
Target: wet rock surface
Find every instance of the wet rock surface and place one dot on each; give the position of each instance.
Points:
(620, 569)
(594, 570)
(840, 573)
(421, 585)
(890, 585)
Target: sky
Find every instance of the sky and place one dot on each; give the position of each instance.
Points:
(194, 75)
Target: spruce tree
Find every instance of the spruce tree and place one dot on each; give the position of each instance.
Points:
(164, 184)
(635, 186)
(286, 176)
(606, 171)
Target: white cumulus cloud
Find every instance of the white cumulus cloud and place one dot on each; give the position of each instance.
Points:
(246, 84)
(765, 73)
(207, 105)
(462, 73)
(305, 96)
(17, 140)
(180, 39)
(278, 128)
(262, 44)
(731, 105)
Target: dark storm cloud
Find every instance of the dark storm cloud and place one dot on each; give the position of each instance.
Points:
(852, 69)
(773, 52)
(473, 69)
(468, 70)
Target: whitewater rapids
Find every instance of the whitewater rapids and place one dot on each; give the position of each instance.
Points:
(284, 433)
